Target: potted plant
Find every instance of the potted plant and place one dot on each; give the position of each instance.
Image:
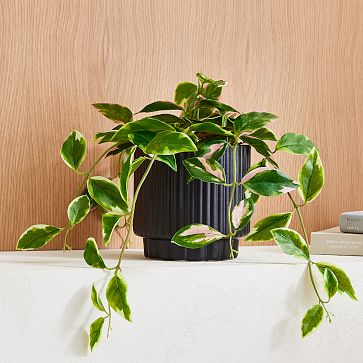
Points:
(171, 200)
(212, 131)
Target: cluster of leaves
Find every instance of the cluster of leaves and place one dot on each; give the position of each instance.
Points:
(207, 127)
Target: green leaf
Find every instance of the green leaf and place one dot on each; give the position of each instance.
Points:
(168, 118)
(295, 144)
(202, 78)
(259, 145)
(169, 160)
(109, 223)
(212, 91)
(311, 177)
(37, 236)
(209, 127)
(169, 143)
(262, 229)
(143, 138)
(259, 164)
(252, 121)
(78, 209)
(145, 124)
(196, 236)
(73, 150)
(268, 182)
(222, 107)
(291, 242)
(344, 283)
(161, 106)
(107, 195)
(136, 163)
(125, 174)
(96, 300)
(183, 91)
(210, 88)
(92, 255)
(242, 213)
(264, 133)
(208, 170)
(104, 136)
(114, 112)
(119, 149)
(330, 282)
(312, 319)
(116, 296)
(253, 196)
(211, 149)
(95, 331)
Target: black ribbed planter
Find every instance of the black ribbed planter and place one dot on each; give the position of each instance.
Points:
(166, 203)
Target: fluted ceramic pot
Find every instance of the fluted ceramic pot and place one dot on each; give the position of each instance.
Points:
(167, 202)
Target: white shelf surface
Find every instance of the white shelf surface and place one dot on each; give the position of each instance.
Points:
(246, 310)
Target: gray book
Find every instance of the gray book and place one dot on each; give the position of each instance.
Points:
(334, 242)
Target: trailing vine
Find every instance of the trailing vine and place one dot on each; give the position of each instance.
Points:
(206, 127)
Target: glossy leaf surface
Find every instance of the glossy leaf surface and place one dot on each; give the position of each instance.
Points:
(312, 319)
(311, 177)
(92, 255)
(262, 229)
(208, 170)
(196, 236)
(37, 236)
(114, 112)
(73, 150)
(107, 195)
(295, 144)
(291, 242)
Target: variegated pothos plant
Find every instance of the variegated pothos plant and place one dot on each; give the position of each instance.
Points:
(206, 127)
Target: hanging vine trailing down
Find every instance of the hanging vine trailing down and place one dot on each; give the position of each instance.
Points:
(206, 127)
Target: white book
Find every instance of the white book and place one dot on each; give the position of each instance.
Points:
(334, 242)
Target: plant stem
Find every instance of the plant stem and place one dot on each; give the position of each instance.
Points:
(130, 222)
(321, 301)
(89, 171)
(66, 246)
(109, 320)
(233, 189)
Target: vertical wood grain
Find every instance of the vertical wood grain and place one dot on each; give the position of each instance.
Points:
(302, 60)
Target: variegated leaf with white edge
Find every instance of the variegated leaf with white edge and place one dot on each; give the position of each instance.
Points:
(211, 149)
(210, 128)
(37, 236)
(242, 213)
(96, 300)
(208, 170)
(92, 255)
(295, 143)
(291, 242)
(311, 177)
(73, 150)
(262, 229)
(109, 223)
(264, 133)
(106, 194)
(95, 331)
(268, 182)
(196, 236)
(170, 143)
(78, 209)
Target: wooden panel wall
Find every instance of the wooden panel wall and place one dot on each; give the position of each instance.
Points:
(300, 59)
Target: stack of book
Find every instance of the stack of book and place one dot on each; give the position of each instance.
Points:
(334, 242)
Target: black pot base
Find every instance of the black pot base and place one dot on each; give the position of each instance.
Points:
(163, 249)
